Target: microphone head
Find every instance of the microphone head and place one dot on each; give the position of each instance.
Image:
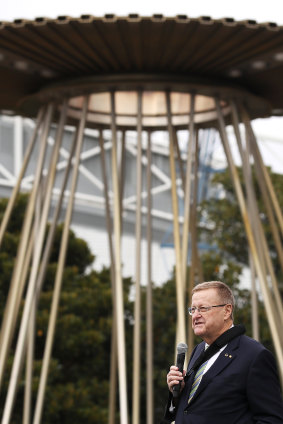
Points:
(182, 348)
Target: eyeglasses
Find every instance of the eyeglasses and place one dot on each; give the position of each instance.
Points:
(203, 309)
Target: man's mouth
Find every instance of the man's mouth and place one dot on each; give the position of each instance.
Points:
(197, 323)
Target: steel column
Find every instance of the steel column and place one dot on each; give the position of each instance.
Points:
(187, 200)
(25, 163)
(251, 240)
(195, 263)
(181, 332)
(113, 360)
(137, 308)
(17, 283)
(149, 318)
(60, 270)
(118, 274)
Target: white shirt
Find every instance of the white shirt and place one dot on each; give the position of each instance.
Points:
(213, 358)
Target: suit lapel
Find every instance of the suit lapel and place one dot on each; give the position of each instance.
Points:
(224, 360)
(197, 352)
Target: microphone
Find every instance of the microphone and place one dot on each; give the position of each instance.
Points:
(181, 353)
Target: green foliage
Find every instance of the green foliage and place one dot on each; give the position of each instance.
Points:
(225, 228)
(224, 224)
(78, 392)
(78, 253)
(15, 223)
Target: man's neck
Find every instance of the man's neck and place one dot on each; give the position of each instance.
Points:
(226, 327)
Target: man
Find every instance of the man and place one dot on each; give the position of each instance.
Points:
(236, 381)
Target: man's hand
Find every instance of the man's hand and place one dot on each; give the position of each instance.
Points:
(174, 377)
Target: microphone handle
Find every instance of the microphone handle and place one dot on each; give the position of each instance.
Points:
(180, 364)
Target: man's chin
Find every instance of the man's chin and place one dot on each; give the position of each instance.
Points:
(198, 330)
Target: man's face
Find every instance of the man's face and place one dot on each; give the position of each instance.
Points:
(211, 324)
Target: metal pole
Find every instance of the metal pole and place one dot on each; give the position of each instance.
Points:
(187, 200)
(181, 332)
(11, 310)
(193, 225)
(54, 221)
(251, 198)
(137, 308)
(21, 343)
(273, 225)
(118, 275)
(258, 165)
(258, 229)
(194, 210)
(149, 323)
(254, 301)
(266, 176)
(179, 158)
(122, 173)
(39, 281)
(31, 332)
(60, 269)
(113, 360)
(16, 188)
(261, 276)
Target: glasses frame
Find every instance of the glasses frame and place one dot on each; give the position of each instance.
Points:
(203, 309)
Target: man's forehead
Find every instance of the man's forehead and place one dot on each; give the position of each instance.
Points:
(205, 294)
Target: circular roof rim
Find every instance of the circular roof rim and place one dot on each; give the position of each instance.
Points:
(75, 87)
(140, 82)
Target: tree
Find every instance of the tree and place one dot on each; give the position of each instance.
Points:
(224, 225)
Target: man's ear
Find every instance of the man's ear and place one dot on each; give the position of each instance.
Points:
(228, 311)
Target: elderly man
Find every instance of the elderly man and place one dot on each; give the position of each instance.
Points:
(231, 378)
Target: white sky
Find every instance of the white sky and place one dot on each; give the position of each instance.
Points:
(268, 11)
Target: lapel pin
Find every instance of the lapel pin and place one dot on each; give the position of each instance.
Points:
(226, 354)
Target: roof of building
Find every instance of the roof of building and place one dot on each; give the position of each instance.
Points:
(105, 51)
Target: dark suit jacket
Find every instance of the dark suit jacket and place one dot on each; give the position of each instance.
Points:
(241, 387)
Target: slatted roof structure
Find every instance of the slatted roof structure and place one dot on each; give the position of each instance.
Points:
(142, 74)
(45, 52)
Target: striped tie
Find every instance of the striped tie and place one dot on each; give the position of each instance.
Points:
(197, 380)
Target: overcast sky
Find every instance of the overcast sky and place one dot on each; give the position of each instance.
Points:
(261, 11)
